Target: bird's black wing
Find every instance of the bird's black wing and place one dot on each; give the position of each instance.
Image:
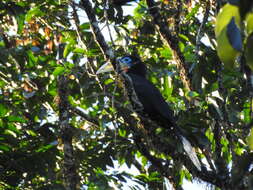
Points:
(155, 105)
(152, 100)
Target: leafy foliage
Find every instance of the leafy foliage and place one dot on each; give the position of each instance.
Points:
(44, 39)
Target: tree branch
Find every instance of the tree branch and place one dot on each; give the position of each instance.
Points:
(83, 41)
(69, 170)
(98, 36)
(172, 42)
(200, 34)
(79, 112)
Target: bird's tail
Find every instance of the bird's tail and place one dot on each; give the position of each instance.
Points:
(190, 151)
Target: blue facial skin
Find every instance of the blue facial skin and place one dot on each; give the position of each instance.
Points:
(125, 62)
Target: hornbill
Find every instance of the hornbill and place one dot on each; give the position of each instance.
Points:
(149, 96)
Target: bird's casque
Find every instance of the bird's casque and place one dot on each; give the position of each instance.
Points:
(126, 63)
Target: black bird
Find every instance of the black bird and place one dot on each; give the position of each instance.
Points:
(149, 96)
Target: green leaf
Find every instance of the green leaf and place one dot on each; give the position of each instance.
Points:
(34, 12)
(249, 23)
(79, 50)
(9, 132)
(85, 26)
(226, 52)
(4, 147)
(2, 84)
(122, 132)
(12, 127)
(2, 123)
(184, 37)
(109, 81)
(58, 70)
(68, 48)
(224, 17)
(45, 148)
(52, 90)
(168, 87)
(93, 52)
(139, 12)
(69, 65)
(166, 53)
(13, 118)
(32, 59)
(247, 112)
(193, 12)
(32, 133)
(192, 94)
(21, 21)
(3, 110)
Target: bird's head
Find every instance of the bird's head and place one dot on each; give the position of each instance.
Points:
(125, 64)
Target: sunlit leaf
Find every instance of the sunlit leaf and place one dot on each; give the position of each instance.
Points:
(249, 23)
(45, 148)
(247, 111)
(58, 70)
(3, 110)
(224, 17)
(9, 132)
(166, 53)
(21, 22)
(225, 49)
(67, 49)
(34, 12)
(79, 50)
(13, 118)
(168, 88)
(85, 26)
(192, 94)
(193, 12)
(108, 81)
(32, 133)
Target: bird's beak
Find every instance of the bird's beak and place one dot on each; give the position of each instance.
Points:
(107, 67)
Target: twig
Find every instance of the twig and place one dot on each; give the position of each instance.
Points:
(200, 34)
(107, 21)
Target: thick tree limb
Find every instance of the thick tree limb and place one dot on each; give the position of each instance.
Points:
(69, 167)
(172, 42)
